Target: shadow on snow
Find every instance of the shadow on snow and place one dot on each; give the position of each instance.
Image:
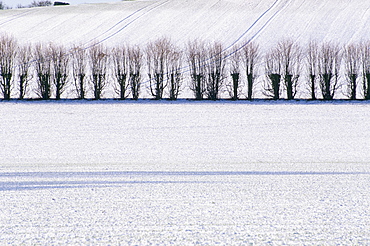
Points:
(102, 176)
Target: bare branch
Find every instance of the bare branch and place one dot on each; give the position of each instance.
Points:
(24, 59)
(330, 59)
(312, 60)
(290, 57)
(352, 57)
(43, 70)
(120, 59)
(174, 74)
(273, 70)
(251, 57)
(365, 65)
(157, 54)
(98, 56)
(235, 87)
(8, 52)
(215, 69)
(79, 70)
(60, 64)
(196, 56)
(135, 66)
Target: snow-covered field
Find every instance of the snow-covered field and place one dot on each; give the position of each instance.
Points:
(228, 21)
(184, 172)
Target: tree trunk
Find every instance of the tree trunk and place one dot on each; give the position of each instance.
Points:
(275, 80)
(159, 86)
(353, 79)
(289, 86)
(172, 87)
(122, 86)
(44, 86)
(198, 89)
(250, 86)
(21, 86)
(235, 77)
(58, 86)
(367, 76)
(82, 86)
(313, 93)
(7, 85)
(135, 86)
(326, 90)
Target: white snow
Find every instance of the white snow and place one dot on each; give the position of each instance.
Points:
(184, 173)
(228, 21)
(194, 135)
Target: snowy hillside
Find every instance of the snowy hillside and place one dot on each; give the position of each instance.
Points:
(229, 21)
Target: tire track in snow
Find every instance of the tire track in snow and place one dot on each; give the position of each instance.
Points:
(248, 30)
(129, 23)
(259, 30)
(186, 69)
(253, 24)
(115, 33)
(268, 21)
(119, 22)
(17, 16)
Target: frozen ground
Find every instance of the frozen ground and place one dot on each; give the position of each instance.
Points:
(184, 173)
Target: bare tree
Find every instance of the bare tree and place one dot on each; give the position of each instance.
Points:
(43, 70)
(157, 55)
(365, 64)
(60, 65)
(3, 6)
(312, 59)
(8, 51)
(24, 59)
(79, 70)
(234, 63)
(196, 56)
(41, 3)
(251, 57)
(273, 72)
(98, 59)
(135, 66)
(215, 69)
(330, 58)
(352, 58)
(174, 74)
(290, 58)
(120, 58)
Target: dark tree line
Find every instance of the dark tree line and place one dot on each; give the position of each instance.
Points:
(160, 69)
(33, 4)
(3, 6)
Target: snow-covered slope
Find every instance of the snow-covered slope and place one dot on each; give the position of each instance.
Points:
(228, 21)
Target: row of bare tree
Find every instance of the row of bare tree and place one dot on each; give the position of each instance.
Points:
(322, 64)
(49, 69)
(39, 3)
